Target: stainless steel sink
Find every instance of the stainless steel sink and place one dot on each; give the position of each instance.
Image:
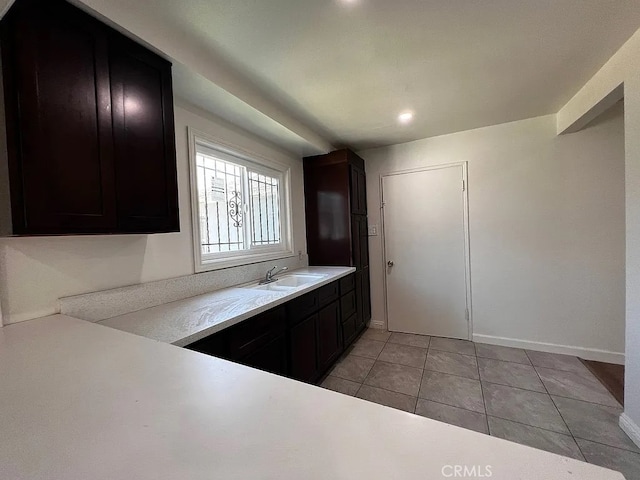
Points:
(286, 283)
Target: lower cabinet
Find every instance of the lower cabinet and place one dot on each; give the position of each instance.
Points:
(301, 339)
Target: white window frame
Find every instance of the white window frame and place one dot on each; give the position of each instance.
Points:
(255, 162)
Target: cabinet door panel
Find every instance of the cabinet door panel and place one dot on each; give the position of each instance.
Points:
(302, 349)
(349, 330)
(144, 139)
(270, 358)
(329, 335)
(348, 304)
(59, 134)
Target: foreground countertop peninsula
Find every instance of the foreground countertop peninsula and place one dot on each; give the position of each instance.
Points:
(81, 401)
(185, 321)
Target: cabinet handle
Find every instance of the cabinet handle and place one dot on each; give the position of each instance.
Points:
(390, 263)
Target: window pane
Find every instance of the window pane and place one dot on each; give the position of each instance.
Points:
(220, 194)
(264, 198)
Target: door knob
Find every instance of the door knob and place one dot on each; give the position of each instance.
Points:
(390, 264)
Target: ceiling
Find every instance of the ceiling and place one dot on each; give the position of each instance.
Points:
(315, 74)
(349, 69)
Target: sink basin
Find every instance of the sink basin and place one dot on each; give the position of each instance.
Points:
(287, 283)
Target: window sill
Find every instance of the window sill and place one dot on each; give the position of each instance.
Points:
(230, 262)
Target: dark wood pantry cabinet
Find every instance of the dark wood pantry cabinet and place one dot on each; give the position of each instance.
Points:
(337, 232)
(89, 125)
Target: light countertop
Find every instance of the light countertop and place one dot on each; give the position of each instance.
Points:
(80, 401)
(185, 321)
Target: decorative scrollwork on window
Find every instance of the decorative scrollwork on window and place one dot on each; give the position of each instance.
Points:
(235, 209)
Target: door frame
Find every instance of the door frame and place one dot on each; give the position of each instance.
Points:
(465, 215)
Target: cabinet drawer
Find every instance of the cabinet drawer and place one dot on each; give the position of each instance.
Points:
(347, 283)
(349, 330)
(302, 307)
(328, 294)
(250, 335)
(348, 305)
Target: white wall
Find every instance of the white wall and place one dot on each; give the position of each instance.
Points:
(35, 272)
(622, 69)
(546, 229)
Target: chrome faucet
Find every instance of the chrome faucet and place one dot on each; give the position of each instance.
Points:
(269, 277)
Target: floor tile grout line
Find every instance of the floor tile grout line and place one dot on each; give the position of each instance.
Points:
(568, 428)
(517, 388)
(391, 391)
(557, 409)
(532, 426)
(452, 374)
(420, 385)
(512, 386)
(606, 445)
(484, 403)
(586, 401)
(502, 360)
(455, 353)
(453, 406)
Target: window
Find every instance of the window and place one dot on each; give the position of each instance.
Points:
(240, 207)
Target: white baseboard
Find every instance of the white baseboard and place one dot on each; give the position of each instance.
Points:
(586, 353)
(376, 324)
(630, 428)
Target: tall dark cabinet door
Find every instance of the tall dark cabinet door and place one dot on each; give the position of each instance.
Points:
(59, 129)
(143, 133)
(358, 190)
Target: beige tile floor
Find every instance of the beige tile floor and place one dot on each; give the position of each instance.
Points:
(547, 401)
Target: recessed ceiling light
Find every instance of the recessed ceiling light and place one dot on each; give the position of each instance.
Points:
(405, 117)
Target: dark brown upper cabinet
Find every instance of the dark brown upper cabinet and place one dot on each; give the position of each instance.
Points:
(89, 124)
(336, 209)
(145, 162)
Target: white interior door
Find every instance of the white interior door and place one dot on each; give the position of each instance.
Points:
(426, 252)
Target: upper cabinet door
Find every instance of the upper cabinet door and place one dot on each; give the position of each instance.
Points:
(59, 132)
(145, 153)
